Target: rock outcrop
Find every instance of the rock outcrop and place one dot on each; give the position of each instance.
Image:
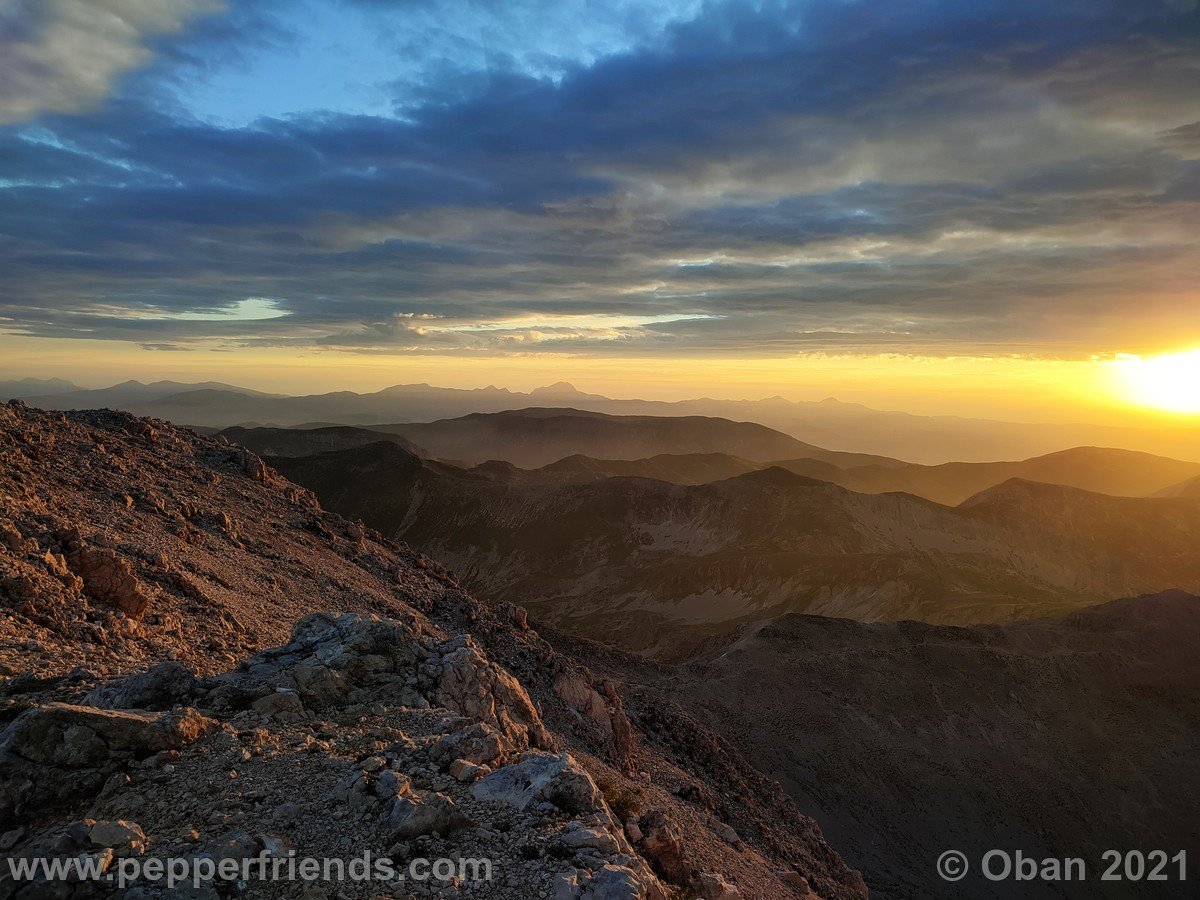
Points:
(108, 578)
(58, 751)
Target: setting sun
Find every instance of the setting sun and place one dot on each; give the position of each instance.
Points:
(1170, 382)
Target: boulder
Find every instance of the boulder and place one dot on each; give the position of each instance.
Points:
(320, 686)
(578, 835)
(164, 686)
(566, 886)
(327, 657)
(727, 834)
(613, 882)
(276, 845)
(467, 772)
(598, 703)
(662, 844)
(517, 615)
(251, 465)
(390, 783)
(59, 751)
(122, 837)
(715, 887)
(236, 844)
(424, 813)
(558, 779)
(332, 660)
(622, 728)
(574, 689)
(478, 743)
(282, 706)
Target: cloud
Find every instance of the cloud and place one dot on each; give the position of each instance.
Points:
(64, 55)
(759, 179)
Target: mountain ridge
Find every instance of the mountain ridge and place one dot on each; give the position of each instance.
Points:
(658, 567)
(1098, 469)
(538, 436)
(838, 425)
(1189, 488)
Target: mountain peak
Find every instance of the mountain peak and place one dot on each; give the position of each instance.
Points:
(559, 388)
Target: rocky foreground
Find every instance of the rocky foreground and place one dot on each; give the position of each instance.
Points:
(199, 662)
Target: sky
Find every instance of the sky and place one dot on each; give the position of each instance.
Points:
(942, 205)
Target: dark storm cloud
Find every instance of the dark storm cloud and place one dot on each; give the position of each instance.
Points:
(784, 176)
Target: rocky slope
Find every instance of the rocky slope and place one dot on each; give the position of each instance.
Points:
(1060, 737)
(656, 566)
(200, 662)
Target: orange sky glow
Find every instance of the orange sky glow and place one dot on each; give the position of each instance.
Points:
(1126, 389)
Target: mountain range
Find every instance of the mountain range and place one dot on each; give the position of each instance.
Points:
(571, 445)
(656, 567)
(829, 423)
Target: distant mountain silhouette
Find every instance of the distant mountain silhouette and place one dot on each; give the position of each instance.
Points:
(829, 423)
(130, 394)
(23, 388)
(677, 468)
(540, 436)
(563, 392)
(1106, 471)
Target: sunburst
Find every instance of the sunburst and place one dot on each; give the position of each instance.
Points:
(1170, 382)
